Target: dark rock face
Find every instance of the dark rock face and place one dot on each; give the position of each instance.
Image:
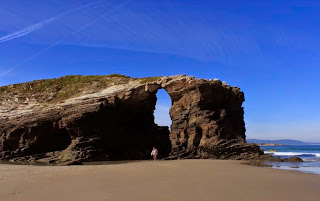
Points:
(117, 123)
(207, 120)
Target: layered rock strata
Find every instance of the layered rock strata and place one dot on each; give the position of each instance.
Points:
(116, 122)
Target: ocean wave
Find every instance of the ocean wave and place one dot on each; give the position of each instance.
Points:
(293, 154)
(311, 159)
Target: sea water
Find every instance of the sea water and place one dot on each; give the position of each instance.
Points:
(310, 154)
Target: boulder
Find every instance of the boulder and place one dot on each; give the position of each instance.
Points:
(293, 159)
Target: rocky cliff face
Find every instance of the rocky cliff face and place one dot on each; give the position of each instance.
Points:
(111, 118)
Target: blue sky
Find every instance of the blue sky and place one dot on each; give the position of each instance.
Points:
(270, 49)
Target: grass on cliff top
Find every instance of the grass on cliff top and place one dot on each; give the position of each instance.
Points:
(68, 86)
(41, 85)
(149, 79)
(116, 75)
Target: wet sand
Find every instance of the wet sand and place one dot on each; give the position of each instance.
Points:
(157, 181)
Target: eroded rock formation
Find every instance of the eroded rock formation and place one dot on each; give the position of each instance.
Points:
(115, 121)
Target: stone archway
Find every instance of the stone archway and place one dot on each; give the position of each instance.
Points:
(122, 128)
(118, 124)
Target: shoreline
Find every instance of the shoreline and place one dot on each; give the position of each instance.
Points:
(161, 180)
(262, 164)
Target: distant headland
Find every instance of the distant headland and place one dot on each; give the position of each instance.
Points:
(282, 142)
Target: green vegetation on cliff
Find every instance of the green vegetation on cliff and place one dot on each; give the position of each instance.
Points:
(59, 89)
(149, 79)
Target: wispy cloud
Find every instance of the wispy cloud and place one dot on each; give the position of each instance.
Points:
(27, 30)
(60, 40)
(39, 25)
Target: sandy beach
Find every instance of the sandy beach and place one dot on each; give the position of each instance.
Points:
(161, 180)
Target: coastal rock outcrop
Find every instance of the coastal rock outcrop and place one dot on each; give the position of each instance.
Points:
(293, 159)
(87, 118)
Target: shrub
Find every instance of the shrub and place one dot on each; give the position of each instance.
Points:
(149, 79)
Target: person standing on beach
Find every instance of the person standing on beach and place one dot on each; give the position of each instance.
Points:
(154, 153)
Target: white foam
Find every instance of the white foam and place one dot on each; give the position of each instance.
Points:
(313, 170)
(311, 159)
(291, 153)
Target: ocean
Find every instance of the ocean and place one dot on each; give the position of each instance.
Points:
(310, 154)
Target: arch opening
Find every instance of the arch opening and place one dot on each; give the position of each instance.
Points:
(162, 110)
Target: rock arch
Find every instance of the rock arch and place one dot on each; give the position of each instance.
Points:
(117, 123)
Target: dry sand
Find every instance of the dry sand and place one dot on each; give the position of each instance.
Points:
(183, 180)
